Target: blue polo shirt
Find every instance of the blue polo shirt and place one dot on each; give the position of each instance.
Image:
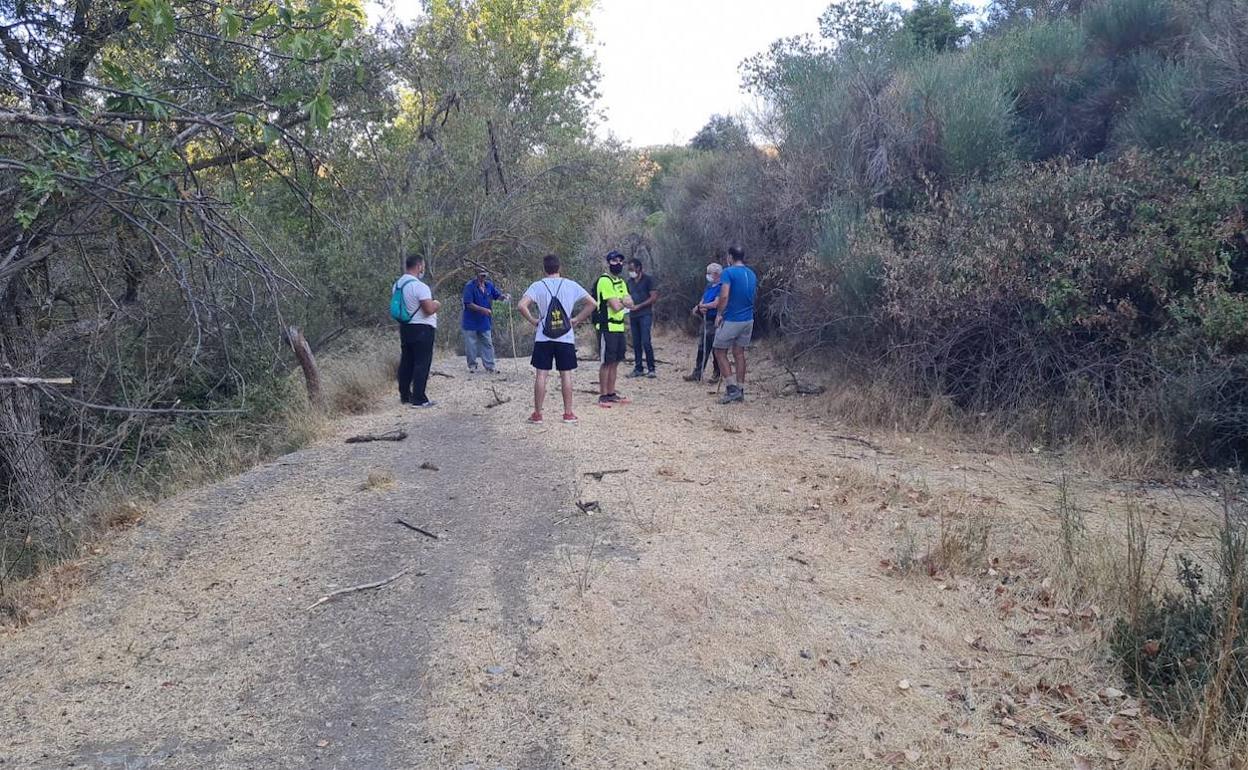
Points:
(475, 295)
(708, 296)
(742, 286)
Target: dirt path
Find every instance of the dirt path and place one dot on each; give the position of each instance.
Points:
(732, 601)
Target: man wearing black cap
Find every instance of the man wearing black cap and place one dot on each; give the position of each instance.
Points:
(611, 294)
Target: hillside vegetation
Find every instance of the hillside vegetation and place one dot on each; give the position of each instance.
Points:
(1039, 221)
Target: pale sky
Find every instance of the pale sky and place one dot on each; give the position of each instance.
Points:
(669, 65)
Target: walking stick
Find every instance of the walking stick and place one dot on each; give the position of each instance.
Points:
(703, 347)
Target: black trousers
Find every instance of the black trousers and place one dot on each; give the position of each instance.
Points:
(705, 352)
(414, 364)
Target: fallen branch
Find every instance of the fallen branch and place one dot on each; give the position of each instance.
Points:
(598, 475)
(414, 528)
(442, 374)
(802, 388)
(796, 708)
(32, 381)
(362, 587)
(393, 435)
(864, 442)
(498, 400)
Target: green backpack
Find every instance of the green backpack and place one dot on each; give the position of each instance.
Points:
(398, 308)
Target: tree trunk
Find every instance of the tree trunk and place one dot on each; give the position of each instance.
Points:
(37, 515)
(307, 361)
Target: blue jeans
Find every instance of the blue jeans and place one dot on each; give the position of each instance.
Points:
(479, 345)
(641, 340)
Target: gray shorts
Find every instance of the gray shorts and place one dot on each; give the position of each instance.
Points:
(734, 334)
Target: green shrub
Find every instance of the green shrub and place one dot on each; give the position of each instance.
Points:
(1187, 650)
(958, 114)
(1120, 27)
(1160, 117)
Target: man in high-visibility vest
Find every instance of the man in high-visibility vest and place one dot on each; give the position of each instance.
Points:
(611, 293)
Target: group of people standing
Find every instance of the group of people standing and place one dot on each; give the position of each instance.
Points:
(555, 306)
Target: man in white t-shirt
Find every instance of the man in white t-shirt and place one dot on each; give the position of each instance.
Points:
(417, 335)
(559, 352)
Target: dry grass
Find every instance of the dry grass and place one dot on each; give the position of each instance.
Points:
(757, 588)
(377, 480)
(354, 378)
(766, 616)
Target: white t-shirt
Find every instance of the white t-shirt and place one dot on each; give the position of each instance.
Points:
(415, 290)
(569, 293)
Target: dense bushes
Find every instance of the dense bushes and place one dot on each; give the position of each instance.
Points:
(1046, 223)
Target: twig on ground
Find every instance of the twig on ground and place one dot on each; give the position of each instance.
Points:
(361, 587)
(854, 440)
(796, 708)
(428, 466)
(414, 528)
(799, 560)
(498, 400)
(802, 388)
(442, 374)
(1021, 654)
(598, 475)
(393, 435)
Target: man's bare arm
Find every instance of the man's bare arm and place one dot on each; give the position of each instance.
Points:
(524, 306)
(589, 307)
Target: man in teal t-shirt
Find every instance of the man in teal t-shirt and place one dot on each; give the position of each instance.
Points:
(735, 324)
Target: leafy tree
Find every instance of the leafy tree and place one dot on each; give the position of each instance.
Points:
(721, 132)
(935, 25)
(122, 122)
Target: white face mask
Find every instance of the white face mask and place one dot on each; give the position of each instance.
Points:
(632, 274)
(710, 278)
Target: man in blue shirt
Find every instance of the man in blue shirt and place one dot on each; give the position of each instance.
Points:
(734, 328)
(706, 313)
(478, 321)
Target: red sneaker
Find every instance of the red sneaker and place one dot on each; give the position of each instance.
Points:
(568, 417)
(535, 417)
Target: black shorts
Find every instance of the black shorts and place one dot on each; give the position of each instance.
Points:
(612, 347)
(561, 354)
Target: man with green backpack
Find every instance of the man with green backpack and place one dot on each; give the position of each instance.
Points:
(413, 306)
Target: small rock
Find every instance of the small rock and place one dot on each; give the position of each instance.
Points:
(903, 685)
(495, 670)
(805, 654)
